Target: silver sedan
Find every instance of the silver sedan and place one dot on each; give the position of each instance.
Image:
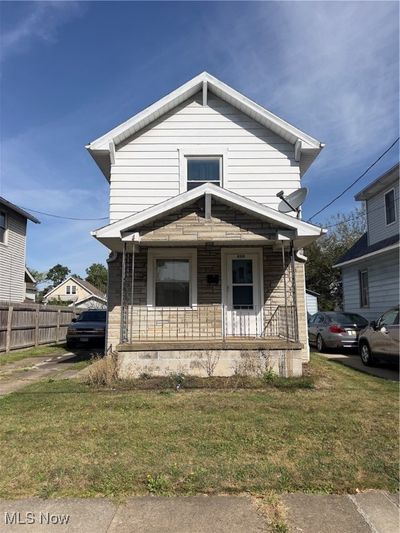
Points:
(334, 329)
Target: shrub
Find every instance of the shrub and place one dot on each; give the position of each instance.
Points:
(103, 371)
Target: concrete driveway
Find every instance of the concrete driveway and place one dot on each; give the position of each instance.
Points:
(17, 375)
(352, 359)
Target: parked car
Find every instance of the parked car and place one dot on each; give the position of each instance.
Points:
(88, 328)
(334, 329)
(380, 339)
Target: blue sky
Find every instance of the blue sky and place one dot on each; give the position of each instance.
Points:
(72, 71)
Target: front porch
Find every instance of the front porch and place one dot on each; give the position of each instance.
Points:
(207, 279)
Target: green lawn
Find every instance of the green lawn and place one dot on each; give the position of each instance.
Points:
(38, 351)
(65, 439)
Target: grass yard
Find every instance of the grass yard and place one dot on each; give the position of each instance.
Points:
(38, 351)
(65, 439)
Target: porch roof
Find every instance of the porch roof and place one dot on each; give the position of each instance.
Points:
(288, 227)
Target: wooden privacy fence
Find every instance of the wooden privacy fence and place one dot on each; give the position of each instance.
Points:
(24, 324)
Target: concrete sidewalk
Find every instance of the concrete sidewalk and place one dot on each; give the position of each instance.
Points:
(370, 512)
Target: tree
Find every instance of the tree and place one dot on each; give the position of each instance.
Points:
(57, 274)
(40, 277)
(97, 276)
(321, 277)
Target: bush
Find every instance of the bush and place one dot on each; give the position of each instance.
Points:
(103, 371)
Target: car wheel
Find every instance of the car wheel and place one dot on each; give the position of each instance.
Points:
(366, 355)
(320, 343)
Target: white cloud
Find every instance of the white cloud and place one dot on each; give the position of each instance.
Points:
(41, 21)
(331, 68)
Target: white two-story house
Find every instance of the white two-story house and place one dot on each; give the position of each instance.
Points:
(370, 269)
(205, 274)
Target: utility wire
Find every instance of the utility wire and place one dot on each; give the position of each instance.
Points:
(354, 182)
(59, 216)
(365, 213)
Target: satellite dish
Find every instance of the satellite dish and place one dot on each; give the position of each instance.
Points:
(293, 201)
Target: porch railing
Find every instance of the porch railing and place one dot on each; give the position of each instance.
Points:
(210, 322)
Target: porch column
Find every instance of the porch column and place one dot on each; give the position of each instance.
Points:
(294, 292)
(123, 324)
(285, 290)
(127, 288)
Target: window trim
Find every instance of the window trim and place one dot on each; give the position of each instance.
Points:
(179, 253)
(394, 203)
(206, 151)
(5, 242)
(360, 284)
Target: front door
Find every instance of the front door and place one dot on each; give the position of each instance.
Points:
(243, 292)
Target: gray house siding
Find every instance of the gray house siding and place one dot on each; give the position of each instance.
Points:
(376, 219)
(12, 258)
(383, 284)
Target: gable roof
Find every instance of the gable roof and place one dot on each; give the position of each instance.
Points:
(119, 229)
(83, 283)
(28, 275)
(379, 184)
(360, 249)
(305, 144)
(19, 210)
(91, 297)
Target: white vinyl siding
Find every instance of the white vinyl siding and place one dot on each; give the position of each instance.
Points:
(376, 216)
(147, 167)
(383, 285)
(12, 259)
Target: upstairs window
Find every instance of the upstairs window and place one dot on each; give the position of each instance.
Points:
(364, 293)
(3, 227)
(202, 170)
(68, 289)
(390, 207)
(73, 289)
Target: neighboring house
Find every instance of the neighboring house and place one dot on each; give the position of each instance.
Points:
(370, 269)
(13, 225)
(30, 287)
(203, 267)
(312, 301)
(90, 302)
(73, 289)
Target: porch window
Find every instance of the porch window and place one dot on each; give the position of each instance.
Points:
(390, 207)
(202, 169)
(3, 227)
(364, 293)
(172, 277)
(172, 282)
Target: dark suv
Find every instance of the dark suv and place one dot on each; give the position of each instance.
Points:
(88, 328)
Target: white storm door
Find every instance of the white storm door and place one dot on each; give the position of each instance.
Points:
(243, 292)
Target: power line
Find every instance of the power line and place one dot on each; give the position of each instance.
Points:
(59, 216)
(367, 212)
(354, 182)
